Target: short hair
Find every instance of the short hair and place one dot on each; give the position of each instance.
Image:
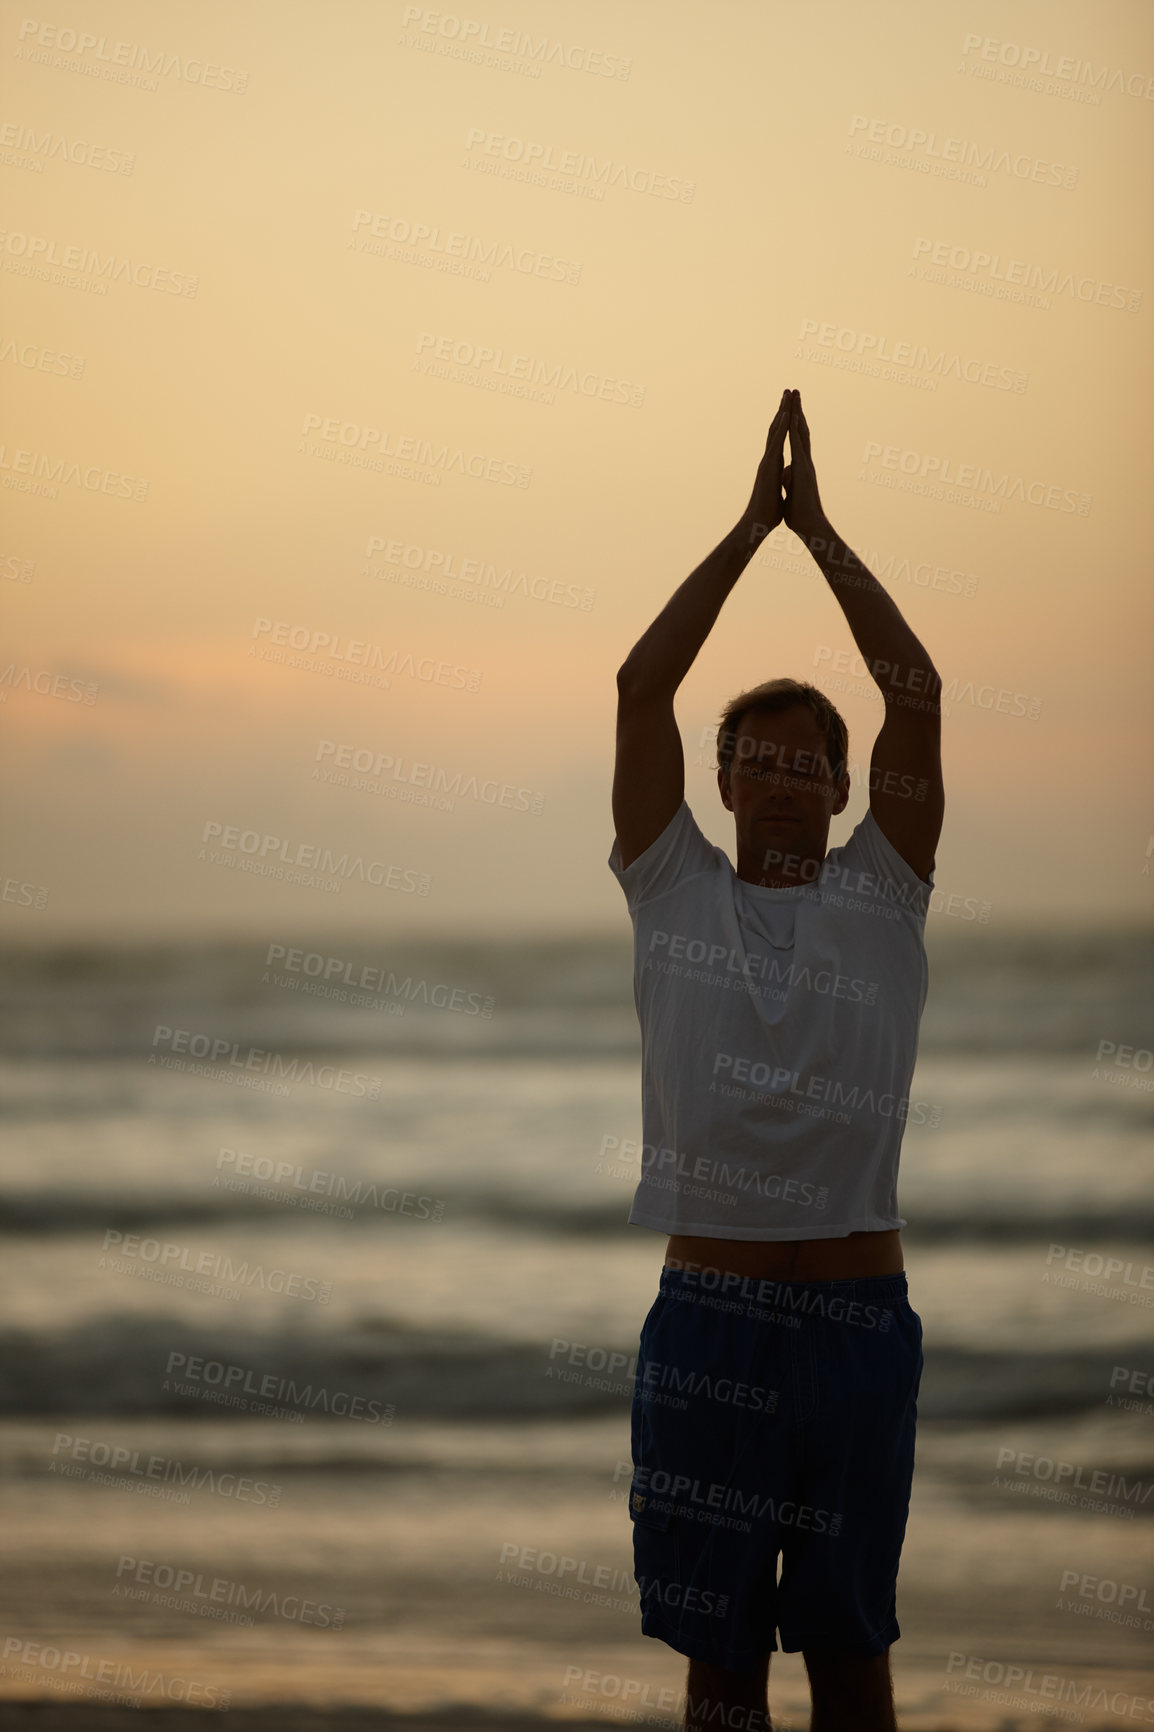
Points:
(772, 697)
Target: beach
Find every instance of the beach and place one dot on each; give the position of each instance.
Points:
(317, 1404)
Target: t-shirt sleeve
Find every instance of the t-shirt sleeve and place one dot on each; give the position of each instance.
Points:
(680, 852)
(870, 865)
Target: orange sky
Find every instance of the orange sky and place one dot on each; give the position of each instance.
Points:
(820, 159)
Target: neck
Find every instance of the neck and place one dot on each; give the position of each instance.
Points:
(790, 872)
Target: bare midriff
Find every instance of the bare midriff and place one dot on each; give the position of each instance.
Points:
(801, 1259)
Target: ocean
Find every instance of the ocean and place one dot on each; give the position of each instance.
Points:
(321, 1306)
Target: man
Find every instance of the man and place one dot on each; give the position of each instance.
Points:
(779, 1004)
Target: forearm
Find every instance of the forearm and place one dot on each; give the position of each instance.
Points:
(899, 664)
(661, 658)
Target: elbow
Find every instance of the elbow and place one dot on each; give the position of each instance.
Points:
(650, 670)
(915, 689)
(636, 686)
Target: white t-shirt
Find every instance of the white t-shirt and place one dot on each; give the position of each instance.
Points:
(779, 1031)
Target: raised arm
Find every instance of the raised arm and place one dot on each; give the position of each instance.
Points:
(907, 798)
(649, 772)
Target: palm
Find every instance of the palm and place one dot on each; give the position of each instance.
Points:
(766, 504)
(802, 509)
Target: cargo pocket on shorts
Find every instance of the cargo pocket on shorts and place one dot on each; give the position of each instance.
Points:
(656, 1545)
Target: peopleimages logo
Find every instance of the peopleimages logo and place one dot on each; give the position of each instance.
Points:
(743, 966)
(107, 1680)
(328, 646)
(281, 1181)
(121, 1461)
(920, 356)
(371, 445)
(427, 567)
(1066, 67)
(915, 140)
(219, 1049)
(115, 267)
(42, 472)
(235, 1381)
(39, 359)
(455, 251)
(132, 1255)
(517, 373)
(217, 1594)
(1044, 1687)
(251, 849)
(972, 476)
(583, 169)
(474, 34)
(376, 978)
(1021, 273)
(672, 1168)
(413, 777)
(658, 1376)
(1097, 1480)
(779, 1080)
(26, 139)
(120, 58)
(734, 1291)
(679, 1494)
(47, 684)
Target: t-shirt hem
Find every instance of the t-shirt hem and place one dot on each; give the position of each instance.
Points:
(711, 1230)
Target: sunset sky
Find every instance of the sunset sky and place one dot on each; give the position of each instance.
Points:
(309, 410)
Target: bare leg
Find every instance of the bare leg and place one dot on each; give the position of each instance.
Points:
(708, 1686)
(851, 1692)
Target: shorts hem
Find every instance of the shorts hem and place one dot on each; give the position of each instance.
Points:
(873, 1645)
(741, 1660)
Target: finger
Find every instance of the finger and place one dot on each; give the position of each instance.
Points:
(802, 423)
(780, 418)
(775, 443)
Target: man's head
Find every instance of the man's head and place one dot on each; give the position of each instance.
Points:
(782, 752)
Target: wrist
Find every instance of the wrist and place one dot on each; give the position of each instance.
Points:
(821, 538)
(750, 530)
(818, 526)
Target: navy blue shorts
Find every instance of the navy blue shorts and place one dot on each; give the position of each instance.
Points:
(773, 1417)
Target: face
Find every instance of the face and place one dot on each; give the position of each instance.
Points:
(781, 792)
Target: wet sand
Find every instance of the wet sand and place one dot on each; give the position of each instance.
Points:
(49, 1716)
